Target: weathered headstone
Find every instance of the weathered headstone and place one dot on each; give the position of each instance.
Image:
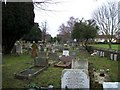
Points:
(65, 52)
(115, 57)
(111, 56)
(102, 54)
(80, 64)
(66, 58)
(75, 79)
(73, 53)
(111, 86)
(42, 54)
(40, 61)
(18, 48)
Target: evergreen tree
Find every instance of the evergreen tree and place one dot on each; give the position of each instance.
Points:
(17, 19)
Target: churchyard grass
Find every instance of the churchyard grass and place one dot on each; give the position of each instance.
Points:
(11, 65)
(102, 63)
(52, 75)
(114, 46)
(14, 64)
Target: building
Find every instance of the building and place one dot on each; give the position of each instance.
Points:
(104, 38)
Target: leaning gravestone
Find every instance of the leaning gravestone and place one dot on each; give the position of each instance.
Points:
(80, 64)
(74, 79)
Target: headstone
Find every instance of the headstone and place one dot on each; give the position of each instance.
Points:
(73, 53)
(111, 56)
(42, 54)
(97, 53)
(111, 86)
(50, 87)
(66, 58)
(74, 79)
(18, 48)
(115, 57)
(80, 64)
(65, 52)
(40, 61)
(100, 53)
(103, 54)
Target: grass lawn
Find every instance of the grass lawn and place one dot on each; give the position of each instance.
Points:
(102, 63)
(114, 46)
(52, 75)
(12, 64)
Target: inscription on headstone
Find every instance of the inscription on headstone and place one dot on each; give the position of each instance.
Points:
(74, 79)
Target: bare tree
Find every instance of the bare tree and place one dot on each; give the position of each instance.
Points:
(44, 29)
(106, 18)
(43, 4)
(65, 30)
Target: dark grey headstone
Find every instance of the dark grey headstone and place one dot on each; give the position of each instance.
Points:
(40, 61)
(66, 58)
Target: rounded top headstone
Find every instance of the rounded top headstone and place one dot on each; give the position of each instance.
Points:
(33, 41)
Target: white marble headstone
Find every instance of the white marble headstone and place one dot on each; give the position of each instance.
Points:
(74, 79)
(111, 86)
(66, 52)
(111, 56)
(115, 57)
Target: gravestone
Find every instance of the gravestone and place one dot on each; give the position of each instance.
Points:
(40, 61)
(73, 53)
(102, 54)
(80, 64)
(65, 52)
(66, 58)
(111, 56)
(42, 54)
(115, 57)
(74, 79)
(18, 48)
(111, 86)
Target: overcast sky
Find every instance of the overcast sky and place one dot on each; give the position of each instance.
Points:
(65, 9)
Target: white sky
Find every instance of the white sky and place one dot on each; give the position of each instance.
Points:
(65, 9)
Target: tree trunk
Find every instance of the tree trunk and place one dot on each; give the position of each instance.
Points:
(86, 43)
(109, 44)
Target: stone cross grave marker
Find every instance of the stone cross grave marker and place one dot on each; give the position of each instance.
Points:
(74, 79)
(80, 64)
